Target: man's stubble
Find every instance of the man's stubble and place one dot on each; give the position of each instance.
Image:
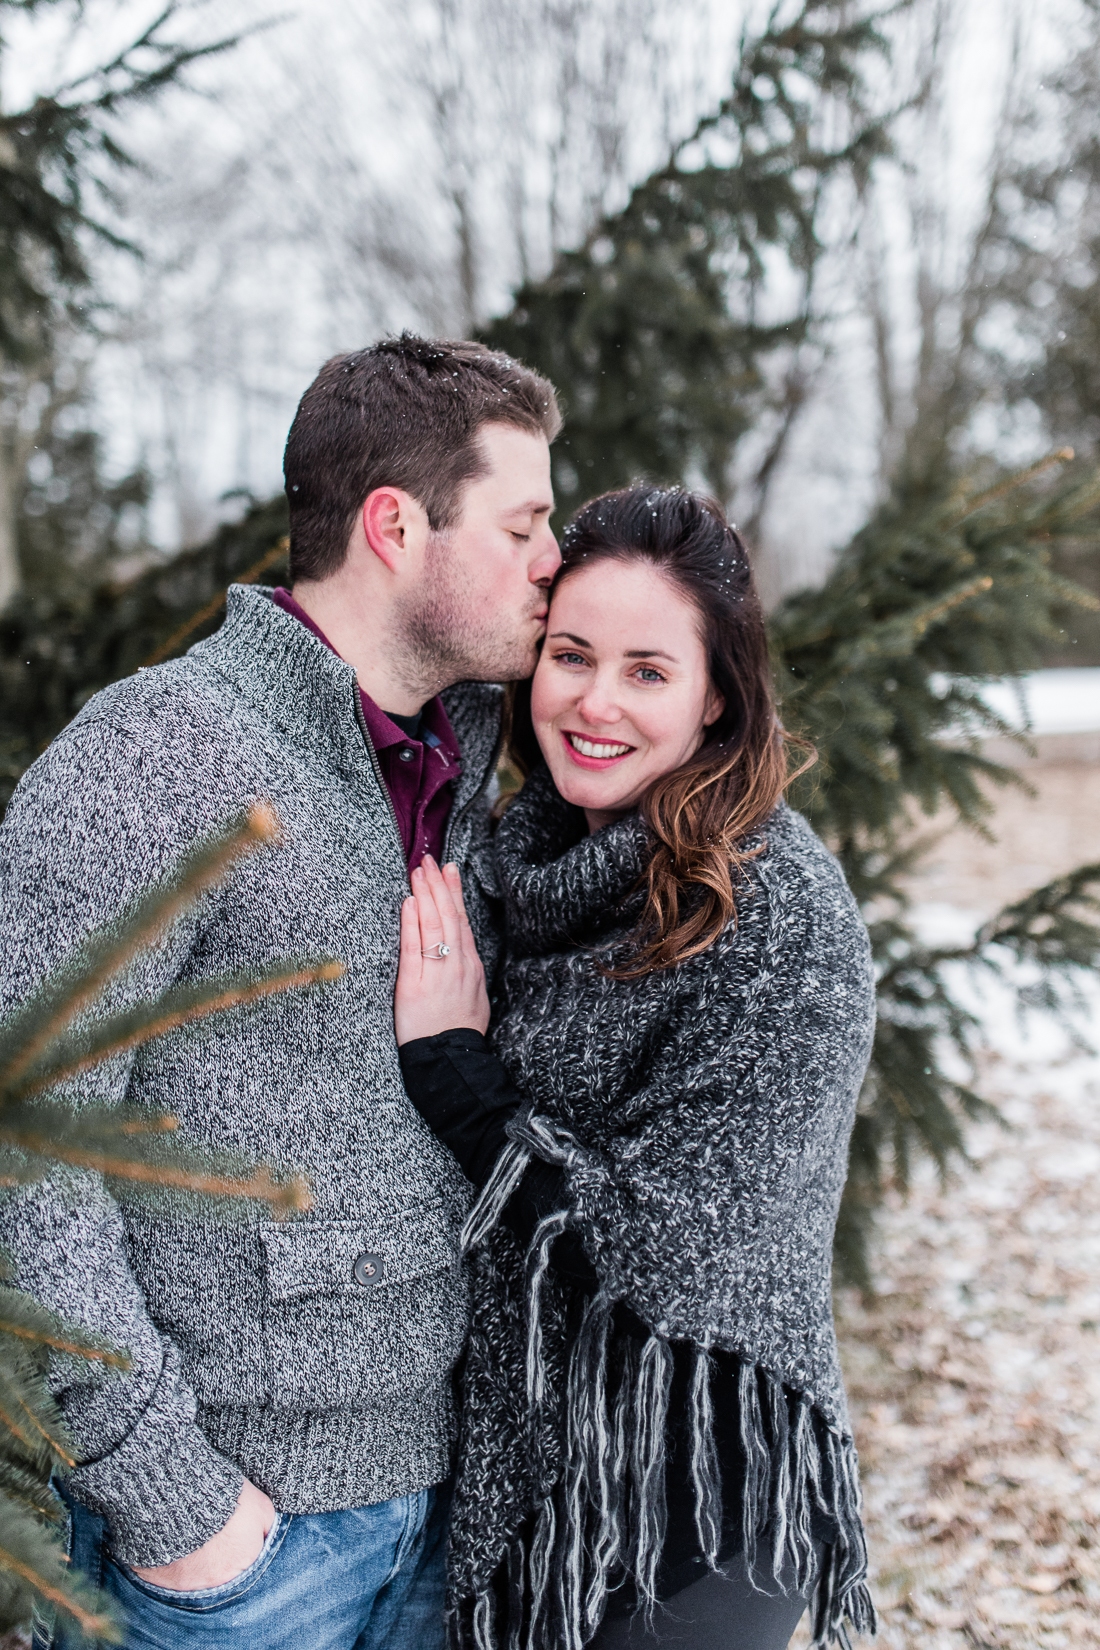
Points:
(449, 630)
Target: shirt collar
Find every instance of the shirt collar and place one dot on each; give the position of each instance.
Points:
(383, 732)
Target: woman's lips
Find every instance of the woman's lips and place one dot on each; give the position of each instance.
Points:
(619, 746)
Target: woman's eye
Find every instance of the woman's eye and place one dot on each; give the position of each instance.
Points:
(569, 658)
(648, 674)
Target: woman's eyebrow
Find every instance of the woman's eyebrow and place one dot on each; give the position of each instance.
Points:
(632, 653)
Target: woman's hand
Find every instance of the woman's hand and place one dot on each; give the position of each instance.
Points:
(438, 993)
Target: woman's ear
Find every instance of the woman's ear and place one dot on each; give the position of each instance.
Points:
(714, 707)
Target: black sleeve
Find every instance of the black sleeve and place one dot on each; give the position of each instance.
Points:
(466, 1097)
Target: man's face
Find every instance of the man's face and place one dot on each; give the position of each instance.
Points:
(479, 610)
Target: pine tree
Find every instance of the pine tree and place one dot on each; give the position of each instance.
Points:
(882, 669)
(651, 330)
(57, 157)
(51, 1038)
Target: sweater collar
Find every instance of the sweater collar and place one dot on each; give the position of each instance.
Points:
(560, 885)
(309, 692)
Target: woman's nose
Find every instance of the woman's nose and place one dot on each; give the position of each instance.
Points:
(598, 706)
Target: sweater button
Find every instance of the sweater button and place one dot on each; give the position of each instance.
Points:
(406, 753)
(367, 1270)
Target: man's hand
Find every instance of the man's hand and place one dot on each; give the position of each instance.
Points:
(438, 993)
(225, 1555)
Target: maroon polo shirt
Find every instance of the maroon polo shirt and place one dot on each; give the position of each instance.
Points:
(419, 773)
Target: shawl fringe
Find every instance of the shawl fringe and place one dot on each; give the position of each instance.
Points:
(601, 1523)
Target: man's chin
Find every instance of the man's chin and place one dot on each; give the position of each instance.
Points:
(516, 667)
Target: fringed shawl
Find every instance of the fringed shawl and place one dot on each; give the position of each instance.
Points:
(702, 1116)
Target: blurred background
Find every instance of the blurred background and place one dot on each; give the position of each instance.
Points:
(350, 169)
(836, 262)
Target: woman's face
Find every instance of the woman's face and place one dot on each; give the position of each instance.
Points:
(621, 693)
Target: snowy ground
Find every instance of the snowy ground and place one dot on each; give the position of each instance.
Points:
(974, 1375)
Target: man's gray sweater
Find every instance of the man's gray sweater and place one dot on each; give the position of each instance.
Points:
(254, 1348)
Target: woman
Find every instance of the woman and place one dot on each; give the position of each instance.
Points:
(653, 1412)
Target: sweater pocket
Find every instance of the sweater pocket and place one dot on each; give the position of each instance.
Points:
(362, 1311)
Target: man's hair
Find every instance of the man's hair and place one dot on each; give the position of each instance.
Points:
(405, 413)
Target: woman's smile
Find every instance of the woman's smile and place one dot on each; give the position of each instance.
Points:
(595, 753)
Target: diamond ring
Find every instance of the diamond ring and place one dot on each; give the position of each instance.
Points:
(437, 952)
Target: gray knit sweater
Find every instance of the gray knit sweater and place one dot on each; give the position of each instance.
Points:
(702, 1115)
(254, 1349)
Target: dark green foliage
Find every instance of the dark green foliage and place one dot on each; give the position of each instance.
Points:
(72, 526)
(52, 1037)
(58, 648)
(923, 605)
(53, 155)
(651, 329)
(877, 667)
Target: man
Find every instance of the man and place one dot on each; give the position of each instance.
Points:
(268, 1471)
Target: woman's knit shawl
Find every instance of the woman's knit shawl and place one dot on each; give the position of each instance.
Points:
(703, 1116)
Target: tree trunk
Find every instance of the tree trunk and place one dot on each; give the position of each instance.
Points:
(9, 500)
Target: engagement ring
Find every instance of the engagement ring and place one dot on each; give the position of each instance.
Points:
(437, 952)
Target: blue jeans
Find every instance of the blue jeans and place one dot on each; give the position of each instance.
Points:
(369, 1579)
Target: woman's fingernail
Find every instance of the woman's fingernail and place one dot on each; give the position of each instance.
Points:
(452, 867)
(428, 860)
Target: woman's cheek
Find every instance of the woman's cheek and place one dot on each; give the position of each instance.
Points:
(541, 713)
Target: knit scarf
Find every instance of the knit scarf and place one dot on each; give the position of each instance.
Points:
(702, 1116)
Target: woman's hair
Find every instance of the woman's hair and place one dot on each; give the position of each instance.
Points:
(700, 812)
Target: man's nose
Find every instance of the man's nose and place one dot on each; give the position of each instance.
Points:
(546, 561)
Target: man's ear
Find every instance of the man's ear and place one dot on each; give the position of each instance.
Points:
(394, 525)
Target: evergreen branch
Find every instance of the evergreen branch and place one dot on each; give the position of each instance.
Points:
(25, 1318)
(894, 638)
(1011, 484)
(57, 1003)
(285, 1197)
(92, 92)
(40, 1443)
(95, 1626)
(271, 557)
(183, 1006)
(26, 1487)
(60, 1343)
(53, 1445)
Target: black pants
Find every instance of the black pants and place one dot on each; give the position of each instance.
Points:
(721, 1612)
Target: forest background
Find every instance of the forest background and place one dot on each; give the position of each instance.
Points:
(836, 263)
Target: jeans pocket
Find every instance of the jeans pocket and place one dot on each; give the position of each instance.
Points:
(199, 1600)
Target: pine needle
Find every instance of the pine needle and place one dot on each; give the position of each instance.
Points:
(259, 827)
(80, 1349)
(105, 1044)
(291, 1196)
(1063, 455)
(53, 1444)
(95, 1626)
